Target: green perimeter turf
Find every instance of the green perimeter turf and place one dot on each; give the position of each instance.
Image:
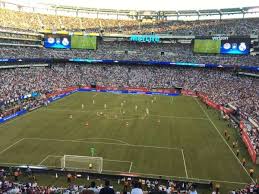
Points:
(176, 139)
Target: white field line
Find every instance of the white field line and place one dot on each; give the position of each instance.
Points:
(176, 117)
(15, 164)
(124, 142)
(10, 146)
(49, 156)
(213, 124)
(139, 173)
(105, 143)
(130, 167)
(184, 162)
(44, 159)
(17, 118)
(122, 161)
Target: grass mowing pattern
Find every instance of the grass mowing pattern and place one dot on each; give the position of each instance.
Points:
(176, 139)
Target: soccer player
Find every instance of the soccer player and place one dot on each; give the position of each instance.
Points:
(147, 111)
(228, 138)
(70, 116)
(251, 172)
(82, 106)
(234, 144)
(136, 107)
(225, 133)
(244, 162)
(93, 102)
(237, 153)
(90, 166)
(105, 106)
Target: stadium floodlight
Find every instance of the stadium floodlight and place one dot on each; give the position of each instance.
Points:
(82, 163)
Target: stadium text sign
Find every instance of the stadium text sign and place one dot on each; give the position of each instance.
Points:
(145, 38)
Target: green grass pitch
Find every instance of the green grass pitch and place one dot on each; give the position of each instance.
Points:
(179, 137)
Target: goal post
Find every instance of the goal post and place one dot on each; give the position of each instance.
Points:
(82, 163)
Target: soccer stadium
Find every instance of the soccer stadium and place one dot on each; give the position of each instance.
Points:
(129, 97)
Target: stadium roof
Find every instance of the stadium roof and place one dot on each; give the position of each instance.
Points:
(154, 5)
(80, 6)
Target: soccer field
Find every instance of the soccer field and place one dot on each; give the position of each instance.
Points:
(143, 135)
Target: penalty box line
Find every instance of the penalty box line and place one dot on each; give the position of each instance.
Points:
(12, 145)
(105, 143)
(90, 142)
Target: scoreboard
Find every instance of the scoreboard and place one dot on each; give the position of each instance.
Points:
(59, 41)
(222, 45)
(83, 42)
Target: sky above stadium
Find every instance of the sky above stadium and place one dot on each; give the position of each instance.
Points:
(146, 4)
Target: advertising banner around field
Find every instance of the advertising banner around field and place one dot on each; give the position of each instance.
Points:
(7, 118)
(61, 95)
(129, 90)
(249, 146)
(136, 89)
(188, 93)
(59, 92)
(212, 104)
(106, 88)
(164, 90)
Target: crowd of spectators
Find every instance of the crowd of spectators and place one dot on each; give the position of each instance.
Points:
(35, 21)
(10, 184)
(250, 188)
(132, 51)
(221, 86)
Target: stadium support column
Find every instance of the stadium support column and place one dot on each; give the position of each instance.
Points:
(178, 16)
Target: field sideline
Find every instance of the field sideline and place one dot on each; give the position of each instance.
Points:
(164, 136)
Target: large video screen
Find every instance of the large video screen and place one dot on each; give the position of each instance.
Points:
(235, 46)
(229, 45)
(207, 46)
(84, 42)
(57, 41)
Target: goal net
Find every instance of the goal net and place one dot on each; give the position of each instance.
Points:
(82, 163)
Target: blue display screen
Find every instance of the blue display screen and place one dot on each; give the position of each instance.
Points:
(57, 41)
(235, 46)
